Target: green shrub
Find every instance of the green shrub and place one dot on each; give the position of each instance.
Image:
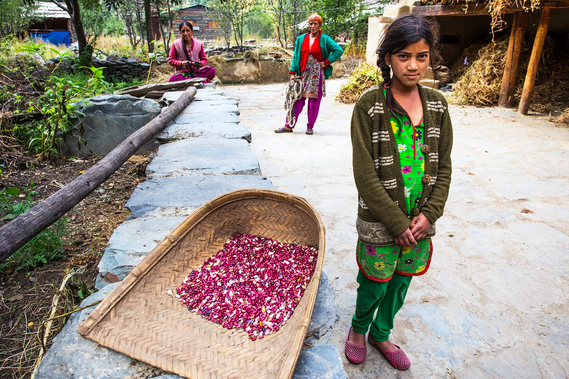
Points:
(43, 248)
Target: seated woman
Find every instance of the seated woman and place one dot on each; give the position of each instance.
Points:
(187, 56)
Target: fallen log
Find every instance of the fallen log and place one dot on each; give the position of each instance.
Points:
(26, 226)
(181, 85)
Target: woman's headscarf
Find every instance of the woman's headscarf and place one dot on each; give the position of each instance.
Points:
(315, 17)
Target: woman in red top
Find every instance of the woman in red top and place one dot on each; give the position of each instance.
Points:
(314, 53)
(187, 56)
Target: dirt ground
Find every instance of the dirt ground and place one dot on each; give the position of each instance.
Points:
(26, 296)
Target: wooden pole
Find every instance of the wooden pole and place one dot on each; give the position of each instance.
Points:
(26, 226)
(534, 60)
(515, 45)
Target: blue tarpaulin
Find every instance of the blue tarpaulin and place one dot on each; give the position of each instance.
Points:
(56, 38)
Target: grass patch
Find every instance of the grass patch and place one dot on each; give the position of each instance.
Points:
(43, 248)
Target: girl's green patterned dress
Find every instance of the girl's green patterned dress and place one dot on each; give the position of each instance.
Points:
(378, 263)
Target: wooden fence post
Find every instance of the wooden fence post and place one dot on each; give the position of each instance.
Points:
(534, 60)
(515, 45)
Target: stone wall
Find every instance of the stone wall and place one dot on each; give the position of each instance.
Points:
(115, 69)
(261, 70)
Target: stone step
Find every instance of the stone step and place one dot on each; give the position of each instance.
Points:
(171, 197)
(196, 156)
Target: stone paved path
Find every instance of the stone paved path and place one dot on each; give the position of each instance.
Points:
(205, 153)
(495, 302)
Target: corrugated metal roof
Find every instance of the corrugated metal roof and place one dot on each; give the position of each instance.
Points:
(50, 10)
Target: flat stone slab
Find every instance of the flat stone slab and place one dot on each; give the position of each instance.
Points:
(130, 243)
(213, 108)
(202, 94)
(72, 356)
(324, 316)
(176, 131)
(320, 362)
(206, 118)
(170, 196)
(203, 156)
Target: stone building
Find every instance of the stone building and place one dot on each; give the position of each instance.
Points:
(205, 25)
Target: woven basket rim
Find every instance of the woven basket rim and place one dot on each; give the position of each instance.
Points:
(170, 241)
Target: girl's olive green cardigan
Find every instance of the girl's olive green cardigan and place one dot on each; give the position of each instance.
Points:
(377, 170)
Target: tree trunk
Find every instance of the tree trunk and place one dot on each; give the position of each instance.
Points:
(74, 11)
(148, 17)
(23, 228)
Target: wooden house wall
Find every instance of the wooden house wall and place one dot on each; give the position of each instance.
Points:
(205, 27)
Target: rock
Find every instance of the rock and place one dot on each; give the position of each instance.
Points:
(325, 314)
(322, 362)
(107, 120)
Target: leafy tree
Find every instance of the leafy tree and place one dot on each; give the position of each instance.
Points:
(278, 12)
(234, 13)
(339, 15)
(259, 23)
(15, 16)
(101, 21)
(166, 20)
(130, 11)
(73, 8)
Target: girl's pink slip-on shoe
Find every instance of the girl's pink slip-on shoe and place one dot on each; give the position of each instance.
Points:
(398, 359)
(355, 353)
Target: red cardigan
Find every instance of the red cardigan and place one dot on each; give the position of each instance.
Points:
(315, 50)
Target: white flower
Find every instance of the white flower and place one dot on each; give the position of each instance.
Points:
(402, 147)
(407, 192)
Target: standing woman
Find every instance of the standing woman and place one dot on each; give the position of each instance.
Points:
(187, 56)
(314, 53)
(402, 140)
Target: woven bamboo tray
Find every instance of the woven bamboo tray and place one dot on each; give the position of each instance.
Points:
(139, 319)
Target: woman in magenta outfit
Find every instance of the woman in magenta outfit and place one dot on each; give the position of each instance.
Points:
(314, 53)
(187, 56)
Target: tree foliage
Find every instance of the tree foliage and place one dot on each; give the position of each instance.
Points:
(341, 17)
(15, 15)
(232, 14)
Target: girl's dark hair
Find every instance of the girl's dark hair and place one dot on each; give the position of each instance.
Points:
(187, 23)
(405, 30)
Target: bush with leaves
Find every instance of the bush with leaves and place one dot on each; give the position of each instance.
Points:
(43, 248)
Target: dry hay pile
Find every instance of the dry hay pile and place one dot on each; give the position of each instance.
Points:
(563, 118)
(481, 80)
(363, 77)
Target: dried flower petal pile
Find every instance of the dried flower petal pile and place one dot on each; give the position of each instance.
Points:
(253, 284)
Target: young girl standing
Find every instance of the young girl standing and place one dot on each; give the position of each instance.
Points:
(402, 139)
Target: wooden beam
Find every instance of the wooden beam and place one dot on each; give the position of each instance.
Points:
(26, 226)
(450, 10)
(534, 60)
(513, 59)
(478, 9)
